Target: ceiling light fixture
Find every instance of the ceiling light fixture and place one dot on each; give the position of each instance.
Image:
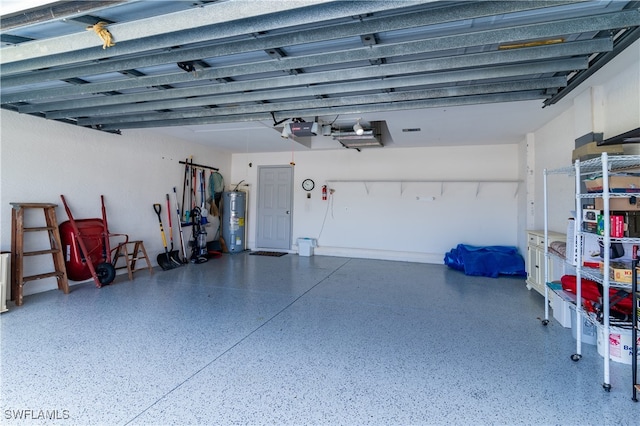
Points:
(358, 128)
(286, 131)
(370, 138)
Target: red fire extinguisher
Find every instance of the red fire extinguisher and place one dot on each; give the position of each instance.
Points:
(324, 192)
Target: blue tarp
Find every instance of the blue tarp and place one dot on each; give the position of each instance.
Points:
(489, 261)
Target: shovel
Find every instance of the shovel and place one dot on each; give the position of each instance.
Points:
(164, 260)
(173, 254)
(184, 249)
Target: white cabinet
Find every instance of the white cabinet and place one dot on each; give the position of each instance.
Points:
(536, 263)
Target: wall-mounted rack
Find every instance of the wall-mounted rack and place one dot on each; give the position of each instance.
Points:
(442, 182)
(199, 165)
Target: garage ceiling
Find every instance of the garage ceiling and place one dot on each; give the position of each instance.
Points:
(231, 73)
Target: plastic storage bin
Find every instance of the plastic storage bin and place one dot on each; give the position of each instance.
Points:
(588, 328)
(561, 306)
(306, 245)
(620, 344)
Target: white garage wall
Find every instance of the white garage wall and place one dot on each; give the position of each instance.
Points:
(554, 143)
(385, 220)
(42, 159)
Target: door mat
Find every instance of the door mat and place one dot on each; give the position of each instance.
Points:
(268, 253)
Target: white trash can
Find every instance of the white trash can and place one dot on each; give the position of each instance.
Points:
(306, 245)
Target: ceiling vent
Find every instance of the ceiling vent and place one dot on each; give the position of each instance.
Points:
(370, 138)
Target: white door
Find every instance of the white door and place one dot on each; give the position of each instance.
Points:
(275, 186)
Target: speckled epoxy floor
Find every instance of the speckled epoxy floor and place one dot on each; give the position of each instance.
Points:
(300, 340)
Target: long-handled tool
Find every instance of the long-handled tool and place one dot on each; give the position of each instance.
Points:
(163, 258)
(184, 249)
(192, 200)
(203, 211)
(183, 215)
(174, 256)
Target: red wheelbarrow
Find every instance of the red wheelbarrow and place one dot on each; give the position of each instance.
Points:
(86, 247)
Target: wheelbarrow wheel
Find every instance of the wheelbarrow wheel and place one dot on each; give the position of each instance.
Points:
(106, 273)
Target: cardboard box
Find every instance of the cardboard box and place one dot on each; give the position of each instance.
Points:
(631, 148)
(631, 223)
(617, 183)
(616, 225)
(624, 224)
(622, 204)
(590, 227)
(592, 150)
(619, 271)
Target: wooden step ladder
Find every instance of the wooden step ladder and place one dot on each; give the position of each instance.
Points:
(131, 252)
(19, 254)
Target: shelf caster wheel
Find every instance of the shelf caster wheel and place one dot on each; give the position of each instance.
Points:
(576, 357)
(606, 387)
(545, 322)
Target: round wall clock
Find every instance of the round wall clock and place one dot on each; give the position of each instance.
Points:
(308, 184)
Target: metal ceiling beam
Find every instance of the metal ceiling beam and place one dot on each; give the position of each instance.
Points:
(398, 96)
(193, 26)
(396, 83)
(486, 37)
(448, 77)
(316, 78)
(355, 102)
(429, 103)
(355, 109)
(625, 41)
(369, 27)
(56, 11)
(313, 85)
(86, 20)
(10, 39)
(184, 95)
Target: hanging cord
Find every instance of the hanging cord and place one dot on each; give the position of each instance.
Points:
(292, 163)
(239, 183)
(329, 204)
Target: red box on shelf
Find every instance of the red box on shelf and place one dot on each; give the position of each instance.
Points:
(617, 226)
